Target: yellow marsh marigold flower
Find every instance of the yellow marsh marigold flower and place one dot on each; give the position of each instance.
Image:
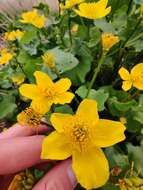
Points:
(46, 92)
(49, 60)
(134, 78)
(109, 40)
(93, 10)
(70, 3)
(83, 135)
(5, 56)
(18, 78)
(29, 117)
(34, 18)
(14, 35)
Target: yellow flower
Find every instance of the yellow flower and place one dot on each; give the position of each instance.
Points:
(29, 117)
(70, 3)
(34, 18)
(18, 78)
(75, 27)
(82, 136)
(109, 40)
(46, 92)
(14, 35)
(134, 78)
(123, 120)
(49, 60)
(93, 10)
(5, 56)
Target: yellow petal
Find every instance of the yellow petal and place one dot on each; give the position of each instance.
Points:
(88, 110)
(127, 85)
(91, 168)
(137, 69)
(124, 74)
(108, 133)
(30, 91)
(42, 79)
(42, 105)
(55, 147)
(138, 84)
(63, 98)
(61, 121)
(62, 85)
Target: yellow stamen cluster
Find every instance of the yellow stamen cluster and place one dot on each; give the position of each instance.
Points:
(22, 181)
(5, 56)
(109, 40)
(133, 183)
(29, 117)
(34, 18)
(14, 35)
(49, 60)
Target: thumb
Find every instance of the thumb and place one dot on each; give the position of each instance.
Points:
(60, 177)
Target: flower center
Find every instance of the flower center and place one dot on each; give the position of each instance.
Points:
(79, 134)
(48, 92)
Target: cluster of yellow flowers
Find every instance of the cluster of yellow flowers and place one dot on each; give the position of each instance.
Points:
(34, 18)
(81, 135)
(13, 35)
(5, 56)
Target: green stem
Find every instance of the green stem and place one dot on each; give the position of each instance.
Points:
(96, 71)
(129, 6)
(69, 29)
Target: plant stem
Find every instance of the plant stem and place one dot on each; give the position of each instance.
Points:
(69, 28)
(129, 6)
(96, 71)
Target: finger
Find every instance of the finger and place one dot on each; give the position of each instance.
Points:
(21, 131)
(60, 177)
(19, 153)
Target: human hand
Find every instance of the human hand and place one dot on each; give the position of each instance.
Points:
(20, 148)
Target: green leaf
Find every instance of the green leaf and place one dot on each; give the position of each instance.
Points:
(104, 25)
(78, 74)
(65, 61)
(63, 109)
(110, 186)
(117, 158)
(117, 108)
(136, 154)
(100, 96)
(7, 106)
(28, 37)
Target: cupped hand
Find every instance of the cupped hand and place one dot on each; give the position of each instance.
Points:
(20, 148)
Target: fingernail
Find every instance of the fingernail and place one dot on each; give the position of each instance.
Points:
(71, 176)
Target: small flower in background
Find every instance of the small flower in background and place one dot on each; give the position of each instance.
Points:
(93, 10)
(70, 3)
(14, 35)
(46, 92)
(82, 135)
(74, 28)
(29, 117)
(49, 60)
(109, 40)
(123, 120)
(134, 78)
(23, 181)
(5, 56)
(18, 78)
(34, 18)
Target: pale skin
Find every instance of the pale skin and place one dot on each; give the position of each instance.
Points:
(20, 148)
